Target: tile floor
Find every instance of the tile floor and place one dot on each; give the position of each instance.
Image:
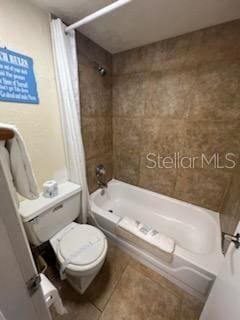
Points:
(126, 290)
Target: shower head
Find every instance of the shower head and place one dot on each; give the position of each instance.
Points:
(100, 69)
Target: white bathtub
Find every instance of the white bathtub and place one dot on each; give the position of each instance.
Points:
(197, 255)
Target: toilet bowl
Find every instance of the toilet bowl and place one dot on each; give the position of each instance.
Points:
(80, 249)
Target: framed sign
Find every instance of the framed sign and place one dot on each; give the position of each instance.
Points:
(17, 79)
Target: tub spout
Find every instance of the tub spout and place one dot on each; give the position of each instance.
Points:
(103, 186)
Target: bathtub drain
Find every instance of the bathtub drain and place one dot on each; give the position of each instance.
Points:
(110, 210)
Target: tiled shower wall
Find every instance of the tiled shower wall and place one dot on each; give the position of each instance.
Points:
(179, 95)
(96, 107)
(231, 205)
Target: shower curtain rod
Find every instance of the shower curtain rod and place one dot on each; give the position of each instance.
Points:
(97, 14)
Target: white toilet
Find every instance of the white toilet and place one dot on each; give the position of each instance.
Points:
(80, 248)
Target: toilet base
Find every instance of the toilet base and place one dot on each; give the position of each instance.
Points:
(81, 283)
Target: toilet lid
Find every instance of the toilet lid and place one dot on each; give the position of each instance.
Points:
(82, 245)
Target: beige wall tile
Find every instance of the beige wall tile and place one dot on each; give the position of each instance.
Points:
(161, 180)
(95, 92)
(162, 136)
(96, 108)
(126, 167)
(213, 137)
(97, 135)
(219, 42)
(186, 92)
(216, 92)
(89, 53)
(231, 205)
(177, 95)
(175, 52)
(204, 187)
(167, 93)
(232, 201)
(127, 135)
(129, 95)
(133, 61)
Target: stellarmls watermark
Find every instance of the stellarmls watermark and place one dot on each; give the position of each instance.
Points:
(177, 161)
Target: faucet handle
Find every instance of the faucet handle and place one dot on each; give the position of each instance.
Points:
(100, 170)
(231, 238)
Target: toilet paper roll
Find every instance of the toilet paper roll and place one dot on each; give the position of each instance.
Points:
(51, 295)
(50, 189)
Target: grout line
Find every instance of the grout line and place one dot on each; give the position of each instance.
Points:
(115, 286)
(95, 306)
(181, 306)
(224, 196)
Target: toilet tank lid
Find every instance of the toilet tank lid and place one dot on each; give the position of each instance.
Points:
(30, 209)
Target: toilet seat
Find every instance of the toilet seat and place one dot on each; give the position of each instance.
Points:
(80, 246)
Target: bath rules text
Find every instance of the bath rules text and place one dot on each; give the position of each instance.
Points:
(17, 80)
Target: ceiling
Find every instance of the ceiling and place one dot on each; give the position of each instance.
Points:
(143, 21)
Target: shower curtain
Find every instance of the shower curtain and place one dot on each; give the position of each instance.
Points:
(66, 66)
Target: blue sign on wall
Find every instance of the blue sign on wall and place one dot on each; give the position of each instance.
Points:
(17, 80)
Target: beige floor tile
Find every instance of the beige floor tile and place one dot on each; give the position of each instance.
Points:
(78, 307)
(191, 308)
(125, 289)
(156, 277)
(137, 297)
(104, 284)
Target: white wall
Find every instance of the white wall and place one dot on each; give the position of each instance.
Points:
(24, 28)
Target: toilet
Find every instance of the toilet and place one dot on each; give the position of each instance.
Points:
(80, 248)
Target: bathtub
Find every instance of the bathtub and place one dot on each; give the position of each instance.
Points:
(197, 255)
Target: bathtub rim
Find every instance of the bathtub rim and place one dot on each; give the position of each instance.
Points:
(213, 214)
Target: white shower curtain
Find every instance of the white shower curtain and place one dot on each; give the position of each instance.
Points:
(66, 65)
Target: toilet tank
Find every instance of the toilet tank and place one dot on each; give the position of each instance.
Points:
(44, 217)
